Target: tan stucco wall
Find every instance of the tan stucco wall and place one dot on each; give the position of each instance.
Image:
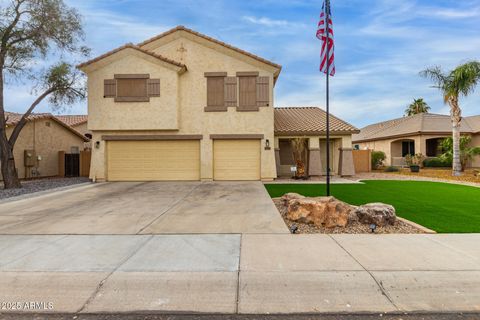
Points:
(82, 128)
(47, 141)
(180, 106)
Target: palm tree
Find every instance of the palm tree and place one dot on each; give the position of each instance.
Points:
(461, 81)
(416, 107)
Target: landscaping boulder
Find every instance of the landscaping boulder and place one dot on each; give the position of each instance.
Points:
(321, 211)
(380, 214)
(290, 196)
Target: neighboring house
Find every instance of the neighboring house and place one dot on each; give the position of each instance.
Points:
(183, 106)
(76, 121)
(421, 133)
(41, 139)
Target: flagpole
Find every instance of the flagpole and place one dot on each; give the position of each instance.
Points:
(327, 26)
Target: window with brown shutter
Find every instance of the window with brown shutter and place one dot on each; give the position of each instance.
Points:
(131, 88)
(231, 91)
(247, 93)
(215, 91)
(263, 91)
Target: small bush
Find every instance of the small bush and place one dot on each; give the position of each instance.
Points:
(437, 163)
(391, 169)
(377, 159)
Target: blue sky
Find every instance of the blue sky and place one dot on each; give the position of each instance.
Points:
(381, 45)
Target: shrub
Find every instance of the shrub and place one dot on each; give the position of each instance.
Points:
(377, 159)
(437, 163)
(391, 169)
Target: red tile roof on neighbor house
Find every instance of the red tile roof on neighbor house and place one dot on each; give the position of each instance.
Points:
(72, 119)
(308, 121)
(417, 124)
(12, 118)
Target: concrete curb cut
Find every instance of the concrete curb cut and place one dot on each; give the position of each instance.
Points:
(416, 225)
(48, 191)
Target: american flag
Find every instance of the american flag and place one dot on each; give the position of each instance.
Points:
(322, 35)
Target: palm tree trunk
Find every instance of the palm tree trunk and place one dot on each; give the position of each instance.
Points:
(456, 116)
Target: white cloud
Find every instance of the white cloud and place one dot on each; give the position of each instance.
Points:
(267, 22)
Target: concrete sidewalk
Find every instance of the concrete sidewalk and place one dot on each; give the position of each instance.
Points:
(248, 274)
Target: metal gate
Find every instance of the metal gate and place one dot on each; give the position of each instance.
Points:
(72, 165)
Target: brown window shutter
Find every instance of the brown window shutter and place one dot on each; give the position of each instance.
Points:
(247, 92)
(231, 91)
(215, 91)
(109, 88)
(153, 87)
(263, 91)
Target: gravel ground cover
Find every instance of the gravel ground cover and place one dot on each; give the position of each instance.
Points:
(357, 227)
(31, 186)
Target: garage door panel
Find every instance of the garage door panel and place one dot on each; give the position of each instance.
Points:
(236, 159)
(153, 160)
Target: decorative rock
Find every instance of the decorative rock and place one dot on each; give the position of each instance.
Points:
(290, 196)
(380, 214)
(321, 211)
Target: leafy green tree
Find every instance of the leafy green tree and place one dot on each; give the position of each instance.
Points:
(466, 151)
(461, 81)
(29, 30)
(416, 107)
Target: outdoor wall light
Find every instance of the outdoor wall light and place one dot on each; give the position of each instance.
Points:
(97, 144)
(373, 226)
(267, 144)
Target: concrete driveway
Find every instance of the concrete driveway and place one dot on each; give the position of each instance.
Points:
(146, 208)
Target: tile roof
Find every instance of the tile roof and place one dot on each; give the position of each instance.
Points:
(307, 121)
(131, 46)
(13, 118)
(196, 33)
(72, 119)
(419, 123)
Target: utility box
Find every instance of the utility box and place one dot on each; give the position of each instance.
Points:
(29, 158)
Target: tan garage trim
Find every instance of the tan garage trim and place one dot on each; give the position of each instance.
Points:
(236, 159)
(152, 137)
(236, 136)
(159, 160)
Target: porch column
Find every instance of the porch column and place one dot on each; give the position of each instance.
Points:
(345, 165)
(277, 155)
(314, 158)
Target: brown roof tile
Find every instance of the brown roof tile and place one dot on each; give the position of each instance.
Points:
(182, 28)
(72, 119)
(131, 46)
(419, 123)
(307, 121)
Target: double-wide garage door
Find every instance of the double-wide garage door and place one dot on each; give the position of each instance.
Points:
(153, 160)
(180, 160)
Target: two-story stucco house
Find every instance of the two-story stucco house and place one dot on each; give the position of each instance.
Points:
(184, 106)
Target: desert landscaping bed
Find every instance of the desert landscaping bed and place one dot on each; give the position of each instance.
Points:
(352, 228)
(41, 184)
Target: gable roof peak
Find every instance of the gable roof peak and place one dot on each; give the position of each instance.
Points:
(203, 36)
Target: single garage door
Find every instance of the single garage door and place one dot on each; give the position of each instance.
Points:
(236, 159)
(153, 160)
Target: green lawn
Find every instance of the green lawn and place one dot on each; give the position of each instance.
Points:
(443, 207)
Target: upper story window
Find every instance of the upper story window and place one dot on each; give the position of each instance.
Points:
(252, 90)
(131, 87)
